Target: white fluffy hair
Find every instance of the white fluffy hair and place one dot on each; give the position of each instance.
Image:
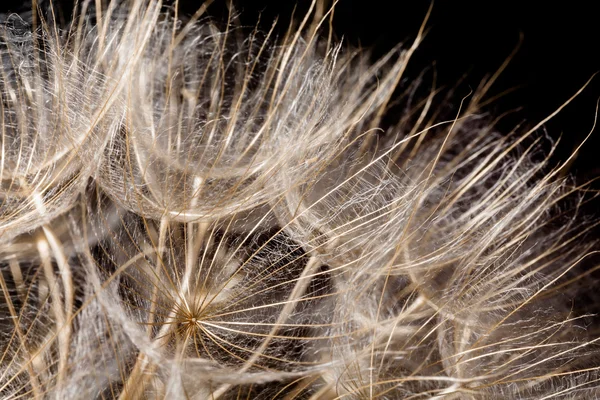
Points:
(195, 212)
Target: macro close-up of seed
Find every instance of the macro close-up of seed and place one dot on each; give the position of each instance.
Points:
(298, 200)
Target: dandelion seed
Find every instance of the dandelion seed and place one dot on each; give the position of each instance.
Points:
(188, 210)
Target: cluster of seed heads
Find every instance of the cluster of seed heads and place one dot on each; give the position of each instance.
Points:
(194, 210)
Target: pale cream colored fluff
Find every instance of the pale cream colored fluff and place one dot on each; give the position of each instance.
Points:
(194, 212)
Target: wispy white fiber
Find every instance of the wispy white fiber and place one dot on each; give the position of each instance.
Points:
(194, 210)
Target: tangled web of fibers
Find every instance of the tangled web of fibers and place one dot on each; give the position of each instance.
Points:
(193, 211)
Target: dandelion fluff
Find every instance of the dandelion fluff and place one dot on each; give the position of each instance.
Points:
(56, 115)
(192, 210)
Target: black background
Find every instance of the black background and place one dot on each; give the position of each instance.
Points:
(470, 39)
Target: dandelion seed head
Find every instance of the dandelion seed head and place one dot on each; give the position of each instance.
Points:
(198, 210)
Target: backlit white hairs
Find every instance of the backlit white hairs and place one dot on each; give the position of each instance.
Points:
(193, 212)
